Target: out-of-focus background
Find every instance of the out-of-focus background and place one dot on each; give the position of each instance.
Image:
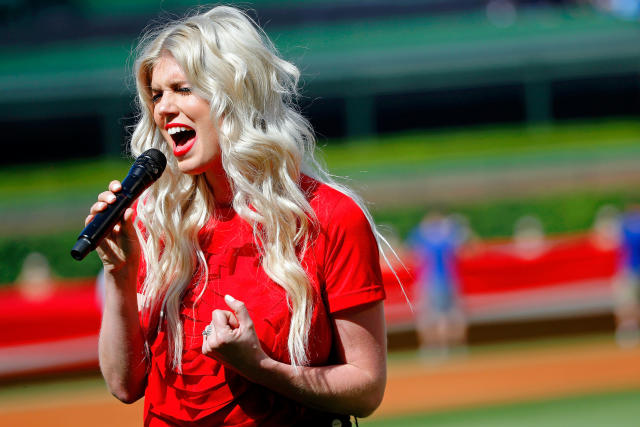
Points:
(496, 141)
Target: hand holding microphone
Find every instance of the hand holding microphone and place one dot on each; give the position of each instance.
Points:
(147, 168)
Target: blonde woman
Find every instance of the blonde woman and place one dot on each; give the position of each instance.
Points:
(244, 286)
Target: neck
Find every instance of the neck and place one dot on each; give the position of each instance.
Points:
(220, 187)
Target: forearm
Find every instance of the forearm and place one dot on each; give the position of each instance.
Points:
(353, 386)
(121, 344)
(344, 389)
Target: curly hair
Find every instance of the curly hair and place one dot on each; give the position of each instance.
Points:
(265, 143)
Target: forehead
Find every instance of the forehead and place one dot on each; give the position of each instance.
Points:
(166, 71)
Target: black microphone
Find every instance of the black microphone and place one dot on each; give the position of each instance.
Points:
(145, 171)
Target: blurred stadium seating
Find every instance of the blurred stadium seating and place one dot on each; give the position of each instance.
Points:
(571, 278)
(368, 66)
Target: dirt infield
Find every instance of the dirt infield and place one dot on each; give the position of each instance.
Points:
(510, 376)
(480, 378)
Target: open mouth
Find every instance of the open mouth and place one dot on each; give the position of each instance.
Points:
(181, 134)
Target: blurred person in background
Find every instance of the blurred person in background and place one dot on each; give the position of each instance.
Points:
(528, 237)
(627, 284)
(35, 281)
(441, 323)
(625, 9)
(606, 232)
(244, 287)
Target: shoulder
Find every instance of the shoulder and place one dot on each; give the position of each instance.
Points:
(331, 206)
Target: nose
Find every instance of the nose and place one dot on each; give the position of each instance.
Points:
(166, 106)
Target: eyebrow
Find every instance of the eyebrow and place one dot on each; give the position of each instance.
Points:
(172, 85)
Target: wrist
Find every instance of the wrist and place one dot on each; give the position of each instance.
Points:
(264, 371)
(123, 277)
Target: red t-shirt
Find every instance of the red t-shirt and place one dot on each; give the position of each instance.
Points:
(343, 267)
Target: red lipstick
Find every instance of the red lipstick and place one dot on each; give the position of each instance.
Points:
(183, 137)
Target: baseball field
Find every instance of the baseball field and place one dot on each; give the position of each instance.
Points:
(577, 382)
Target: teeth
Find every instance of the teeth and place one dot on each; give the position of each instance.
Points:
(174, 130)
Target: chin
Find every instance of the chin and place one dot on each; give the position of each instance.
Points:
(187, 169)
(191, 170)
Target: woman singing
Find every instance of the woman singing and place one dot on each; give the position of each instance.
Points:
(244, 287)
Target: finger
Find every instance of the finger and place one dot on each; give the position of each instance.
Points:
(240, 310)
(127, 223)
(232, 320)
(115, 186)
(220, 321)
(107, 197)
(206, 333)
(97, 207)
(109, 251)
(128, 214)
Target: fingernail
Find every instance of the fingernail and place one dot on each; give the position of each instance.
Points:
(229, 298)
(111, 198)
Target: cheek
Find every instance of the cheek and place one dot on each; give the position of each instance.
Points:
(157, 119)
(212, 149)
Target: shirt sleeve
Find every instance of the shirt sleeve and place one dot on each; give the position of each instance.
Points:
(352, 264)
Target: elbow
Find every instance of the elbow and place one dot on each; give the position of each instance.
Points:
(126, 396)
(367, 406)
(127, 392)
(371, 400)
(127, 387)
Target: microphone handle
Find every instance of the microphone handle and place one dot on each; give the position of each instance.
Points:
(145, 170)
(103, 222)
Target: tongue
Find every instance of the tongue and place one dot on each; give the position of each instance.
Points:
(182, 137)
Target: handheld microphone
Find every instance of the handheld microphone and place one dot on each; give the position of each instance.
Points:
(145, 171)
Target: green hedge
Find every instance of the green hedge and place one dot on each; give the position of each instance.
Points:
(55, 247)
(558, 214)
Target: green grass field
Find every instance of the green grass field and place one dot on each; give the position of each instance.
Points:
(620, 409)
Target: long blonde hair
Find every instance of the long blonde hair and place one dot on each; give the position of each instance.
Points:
(265, 145)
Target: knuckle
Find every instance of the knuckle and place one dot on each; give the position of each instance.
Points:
(96, 207)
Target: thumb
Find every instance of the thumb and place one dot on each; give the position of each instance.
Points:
(127, 223)
(240, 310)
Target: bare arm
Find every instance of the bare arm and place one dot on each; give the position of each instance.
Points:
(355, 386)
(121, 343)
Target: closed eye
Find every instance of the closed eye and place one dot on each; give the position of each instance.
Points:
(185, 90)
